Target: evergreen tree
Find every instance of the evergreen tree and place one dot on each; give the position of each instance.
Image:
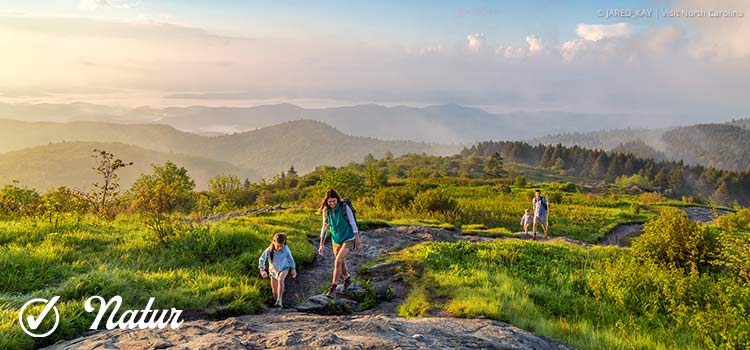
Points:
(721, 196)
(601, 164)
(494, 167)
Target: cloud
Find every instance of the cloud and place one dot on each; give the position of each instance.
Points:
(596, 32)
(96, 4)
(600, 38)
(510, 52)
(476, 41)
(648, 70)
(535, 45)
(721, 37)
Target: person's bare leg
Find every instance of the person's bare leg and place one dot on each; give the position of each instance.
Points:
(337, 265)
(280, 284)
(534, 229)
(544, 226)
(274, 288)
(344, 269)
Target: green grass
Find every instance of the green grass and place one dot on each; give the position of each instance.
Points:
(598, 298)
(212, 268)
(481, 230)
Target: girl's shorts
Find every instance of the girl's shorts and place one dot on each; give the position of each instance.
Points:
(275, 274)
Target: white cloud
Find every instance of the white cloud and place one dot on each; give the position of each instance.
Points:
(535, 45)
(510, 52)
(721, 37)
(600, 38)
(95, 4)
(596, 32)
(476, 41)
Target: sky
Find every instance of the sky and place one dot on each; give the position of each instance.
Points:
(664, 58)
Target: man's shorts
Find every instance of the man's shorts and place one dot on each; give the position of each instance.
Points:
(337, 247)
(540, 219)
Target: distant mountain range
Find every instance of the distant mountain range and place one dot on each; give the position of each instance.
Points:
(253, 154)
(725, 146)
(70, 164)
(444, 124)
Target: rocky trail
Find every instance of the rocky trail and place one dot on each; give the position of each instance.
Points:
(378, 327)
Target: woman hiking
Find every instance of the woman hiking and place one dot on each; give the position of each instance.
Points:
(339, 220)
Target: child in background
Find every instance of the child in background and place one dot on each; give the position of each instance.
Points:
(526, 219)
(280, 261)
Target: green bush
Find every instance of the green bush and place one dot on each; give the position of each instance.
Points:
(434, 201)
(18, 201)
(520, 181)
(394, 198)
(675, 240)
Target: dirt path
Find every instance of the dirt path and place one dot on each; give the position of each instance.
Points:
(621, 235)
(376, 328)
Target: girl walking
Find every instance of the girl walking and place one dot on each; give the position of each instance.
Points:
(280, 262)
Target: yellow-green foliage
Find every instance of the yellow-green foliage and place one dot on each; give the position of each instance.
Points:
(594, 298)
(208, 268)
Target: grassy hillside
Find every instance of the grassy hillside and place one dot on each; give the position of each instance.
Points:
(17, 135)
(211, 270)
(70, 164)
(304, 144)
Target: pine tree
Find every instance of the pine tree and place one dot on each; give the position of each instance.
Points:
(598, 170)
(721, 196)
(493, 168)
(660, 180)
(545, 162)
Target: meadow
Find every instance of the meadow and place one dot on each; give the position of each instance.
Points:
(210, 270)
(600, 297)
(593, 298)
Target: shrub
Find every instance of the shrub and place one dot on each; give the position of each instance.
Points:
(651, 197)
(345, 182)
(505, 189)
(555, 197)
(635, 208)
(520, 181)
(434, 201)
(567, 187)
(673, 239)
(394, 198)
(633, 180)
(735, 222)
(18, 201)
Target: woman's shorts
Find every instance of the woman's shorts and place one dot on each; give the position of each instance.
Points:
(337, 247)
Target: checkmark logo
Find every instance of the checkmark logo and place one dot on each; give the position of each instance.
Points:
(35, 322)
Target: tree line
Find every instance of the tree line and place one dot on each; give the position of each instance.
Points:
(674, 178)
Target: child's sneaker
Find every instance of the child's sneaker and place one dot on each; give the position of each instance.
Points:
(331, 290)
(278, 303)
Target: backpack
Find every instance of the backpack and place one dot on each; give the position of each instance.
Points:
(544, 202)
(348, 203)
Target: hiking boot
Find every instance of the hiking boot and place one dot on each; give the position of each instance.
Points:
(331, 290)
(347, 283)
